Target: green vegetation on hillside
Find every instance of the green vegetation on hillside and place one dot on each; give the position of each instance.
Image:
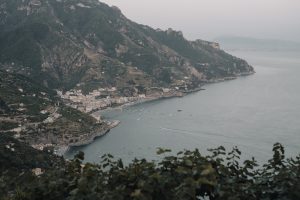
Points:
(17, 160)
(40, 115)
(65, 43)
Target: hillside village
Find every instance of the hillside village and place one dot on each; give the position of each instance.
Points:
(103, 98)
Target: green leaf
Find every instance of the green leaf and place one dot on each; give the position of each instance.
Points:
(188, 162)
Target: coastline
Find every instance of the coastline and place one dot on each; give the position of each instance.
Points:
(61, 150)
(183, 93)
(111, 124)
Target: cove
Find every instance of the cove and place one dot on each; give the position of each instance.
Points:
(251, 112)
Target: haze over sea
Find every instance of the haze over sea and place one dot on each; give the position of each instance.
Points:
(251, 112)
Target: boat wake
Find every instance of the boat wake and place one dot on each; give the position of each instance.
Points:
(193, 133)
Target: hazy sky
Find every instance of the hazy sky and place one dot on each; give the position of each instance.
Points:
(207, 19)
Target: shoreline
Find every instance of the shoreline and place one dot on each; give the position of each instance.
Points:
(61, 150)
(111, 124)
(184, 93)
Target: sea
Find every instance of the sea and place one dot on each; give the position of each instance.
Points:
(251, 112)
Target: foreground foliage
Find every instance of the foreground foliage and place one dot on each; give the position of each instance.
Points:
(188, 175)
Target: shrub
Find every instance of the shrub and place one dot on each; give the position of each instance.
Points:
(188, 175)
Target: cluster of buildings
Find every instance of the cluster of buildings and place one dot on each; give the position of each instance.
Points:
(95, 100)
(207, 43)
(102, 98)
(108, 97)
(41, 146)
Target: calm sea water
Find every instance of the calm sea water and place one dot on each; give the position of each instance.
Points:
(252, 112)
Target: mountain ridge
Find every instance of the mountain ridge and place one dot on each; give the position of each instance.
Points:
(62, 60)
(65, 43)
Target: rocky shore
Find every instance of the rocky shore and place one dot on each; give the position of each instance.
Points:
(87, 139)
(92, 137)
(217, 80)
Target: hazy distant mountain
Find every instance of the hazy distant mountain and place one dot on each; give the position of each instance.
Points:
(247, 43)
(63, 43)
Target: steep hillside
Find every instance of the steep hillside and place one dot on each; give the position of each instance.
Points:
(15, 155)
(35, 115)
(18, 161)
(95, 58)
(85, 43)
